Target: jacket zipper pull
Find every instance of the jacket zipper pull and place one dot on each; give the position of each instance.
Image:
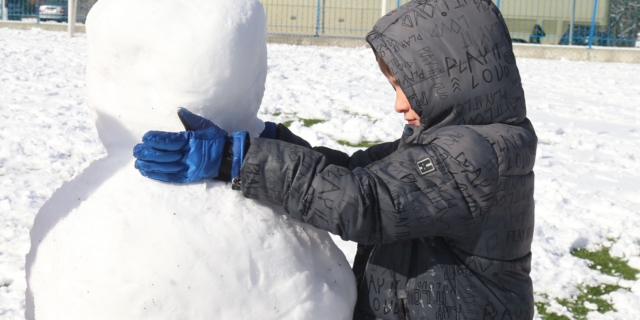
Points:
(405, 313)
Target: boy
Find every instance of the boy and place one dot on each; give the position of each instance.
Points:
(443, 216)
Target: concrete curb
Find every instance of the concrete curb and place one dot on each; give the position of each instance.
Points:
(42, 26)
(537, 51)
(305, 40)
(576, 53)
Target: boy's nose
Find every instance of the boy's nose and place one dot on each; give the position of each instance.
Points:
(402, 103)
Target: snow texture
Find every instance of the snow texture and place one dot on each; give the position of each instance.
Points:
(111, 244)
(587, 169)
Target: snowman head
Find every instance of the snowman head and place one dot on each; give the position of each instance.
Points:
(141, 68)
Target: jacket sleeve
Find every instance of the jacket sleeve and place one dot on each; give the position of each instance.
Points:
(410, 194)
(361, 158)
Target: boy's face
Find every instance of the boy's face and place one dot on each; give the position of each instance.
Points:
(402, 103)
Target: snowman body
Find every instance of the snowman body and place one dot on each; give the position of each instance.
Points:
(111, 244)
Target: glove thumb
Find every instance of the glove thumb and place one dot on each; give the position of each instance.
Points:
(193, 122)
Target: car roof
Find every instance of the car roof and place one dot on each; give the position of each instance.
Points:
(56, 2)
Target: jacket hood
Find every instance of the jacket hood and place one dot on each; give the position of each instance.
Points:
(453, 60)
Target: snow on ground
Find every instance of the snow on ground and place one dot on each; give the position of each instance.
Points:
(587, 116)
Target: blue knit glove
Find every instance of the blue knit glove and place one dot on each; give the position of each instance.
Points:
(203, 151)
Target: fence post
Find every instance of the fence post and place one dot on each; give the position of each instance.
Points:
(635, 23)
(593, 23)
(71, 16)
(573, 23)
(383, 7)
(324, 14)
(38, 12)
(498, 4)
(318, 19)
(399, 3)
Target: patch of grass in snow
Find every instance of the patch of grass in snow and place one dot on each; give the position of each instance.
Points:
(359, 115)
(305, 122)
(603, 261)
(310, 122)
(589, 299)
(544, 314)
(362, 144)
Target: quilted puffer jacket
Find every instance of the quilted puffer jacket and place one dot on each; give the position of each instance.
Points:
(443, 216)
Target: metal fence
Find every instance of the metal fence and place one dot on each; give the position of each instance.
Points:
(613, 23)
(344, 18)
(39, 11)
(562, 22)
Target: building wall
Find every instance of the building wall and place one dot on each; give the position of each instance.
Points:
(337, 17)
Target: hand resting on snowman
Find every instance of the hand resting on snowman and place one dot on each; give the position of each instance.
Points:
(203, 151)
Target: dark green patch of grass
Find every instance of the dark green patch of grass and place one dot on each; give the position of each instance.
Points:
(305, 122)
(605, 263)
(363, 144)
(542, 310)
(591, 295)
(276, 114)
(360, 115)
(576, 304)
(310, 122)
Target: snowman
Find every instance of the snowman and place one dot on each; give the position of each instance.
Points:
(112, 244)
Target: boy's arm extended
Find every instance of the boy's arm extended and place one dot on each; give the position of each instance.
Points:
(394, 199)
(361, 158)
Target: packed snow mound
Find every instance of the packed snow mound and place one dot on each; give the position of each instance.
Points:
(146, 58)
(183, 252)
(111, 244)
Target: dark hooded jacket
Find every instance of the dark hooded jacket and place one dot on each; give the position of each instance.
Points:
(443, 216)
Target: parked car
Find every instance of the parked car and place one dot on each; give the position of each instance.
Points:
(581, 34)
(54, 10)
(638, 41)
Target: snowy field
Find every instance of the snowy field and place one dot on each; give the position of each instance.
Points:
(587, 117)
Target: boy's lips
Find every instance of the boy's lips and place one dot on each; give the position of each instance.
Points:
(412, 122)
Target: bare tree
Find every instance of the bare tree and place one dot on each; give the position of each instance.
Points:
(624, 23)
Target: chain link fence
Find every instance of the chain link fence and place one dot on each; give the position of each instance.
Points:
(41, 11)
(612, 23)
(342, 18)
(552, 29)
(574, 24)
(608, 23)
